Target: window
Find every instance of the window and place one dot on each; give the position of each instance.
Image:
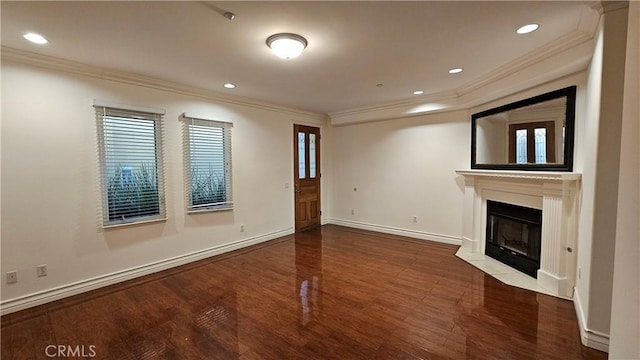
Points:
(132, 173)
(208, 164)
(532, 143)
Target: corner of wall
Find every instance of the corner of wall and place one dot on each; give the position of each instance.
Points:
(590, 338)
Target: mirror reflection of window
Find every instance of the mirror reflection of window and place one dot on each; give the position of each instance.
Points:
(528, 134)
(521, 146)
(532, 143)
(540, 136)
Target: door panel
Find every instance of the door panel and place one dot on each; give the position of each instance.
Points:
(306, 176)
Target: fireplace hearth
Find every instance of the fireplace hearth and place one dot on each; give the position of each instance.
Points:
(514, 236)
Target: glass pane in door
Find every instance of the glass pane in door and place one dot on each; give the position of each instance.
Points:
(541, 145)
(521, 146)
(301, 156)
(312, 156)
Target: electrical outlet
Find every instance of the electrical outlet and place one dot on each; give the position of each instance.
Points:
(242, 228)
(12, 277)
(415, 219)
(579, 273)
(41, 270)
(353, 212)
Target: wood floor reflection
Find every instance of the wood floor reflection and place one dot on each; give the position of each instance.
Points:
(328, 293)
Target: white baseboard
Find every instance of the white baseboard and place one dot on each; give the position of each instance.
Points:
(470, 244)
(423, 235)
(558, 285)
(57, 293)
(590, 338)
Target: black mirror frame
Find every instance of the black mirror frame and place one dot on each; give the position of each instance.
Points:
(570, 113)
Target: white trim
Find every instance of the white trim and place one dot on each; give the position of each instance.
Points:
(188, 116)
(133, 222)
(591, 338)
(57, 293)
(117, 106)
(228, 207)
(422, 235)
(552, 282)
(392, 105)
(78, 68)
(460, 99)
(521, 174)
(555, 47)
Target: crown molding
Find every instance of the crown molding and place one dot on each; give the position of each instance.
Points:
(589, 20)
(560, 45)
(449, 100)
(605, 6)
(397, 109)
(78, 68)
(391, 105)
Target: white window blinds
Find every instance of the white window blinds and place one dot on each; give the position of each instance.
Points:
(208, 164)
(131, 161)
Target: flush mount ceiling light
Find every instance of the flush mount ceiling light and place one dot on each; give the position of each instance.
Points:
(418, 92)
(456, 70)
(527, 28)
(36, 38)
(229, 86)
(287, 45)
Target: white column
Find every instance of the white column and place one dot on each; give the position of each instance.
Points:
(469, 218)
(553, 254)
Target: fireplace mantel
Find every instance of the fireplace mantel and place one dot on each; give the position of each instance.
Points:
(555, 193)
(531, 175)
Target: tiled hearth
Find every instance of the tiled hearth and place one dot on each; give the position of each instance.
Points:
(552, 192)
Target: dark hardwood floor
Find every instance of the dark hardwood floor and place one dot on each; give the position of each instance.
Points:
(328, 293)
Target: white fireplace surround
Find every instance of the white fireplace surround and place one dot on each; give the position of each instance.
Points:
(555, 193)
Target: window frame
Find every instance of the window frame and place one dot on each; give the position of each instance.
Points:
(104, 111)
(188, 121)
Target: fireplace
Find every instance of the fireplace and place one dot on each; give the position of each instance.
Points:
(514, 236)
(556, 193)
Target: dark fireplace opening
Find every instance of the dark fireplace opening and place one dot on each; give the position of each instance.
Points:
(514, 236)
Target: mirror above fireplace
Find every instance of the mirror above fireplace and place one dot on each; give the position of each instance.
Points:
(531, 134)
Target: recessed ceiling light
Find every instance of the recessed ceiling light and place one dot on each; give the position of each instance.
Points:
(456, 70)
(418, 92)
(36, 38)
(229, 86)
(287, 45)
(527, 29)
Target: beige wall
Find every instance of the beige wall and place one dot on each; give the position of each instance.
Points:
(601, 171)
(51, 196)
(402, 168)
(491, 142)
(625, 307)
(585, 164)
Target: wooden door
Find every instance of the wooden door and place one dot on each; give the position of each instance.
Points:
(306, 164)
(528, 131)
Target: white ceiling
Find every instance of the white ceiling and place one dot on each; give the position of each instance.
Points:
(352, 47)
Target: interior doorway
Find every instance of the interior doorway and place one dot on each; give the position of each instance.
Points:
(306, 165)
